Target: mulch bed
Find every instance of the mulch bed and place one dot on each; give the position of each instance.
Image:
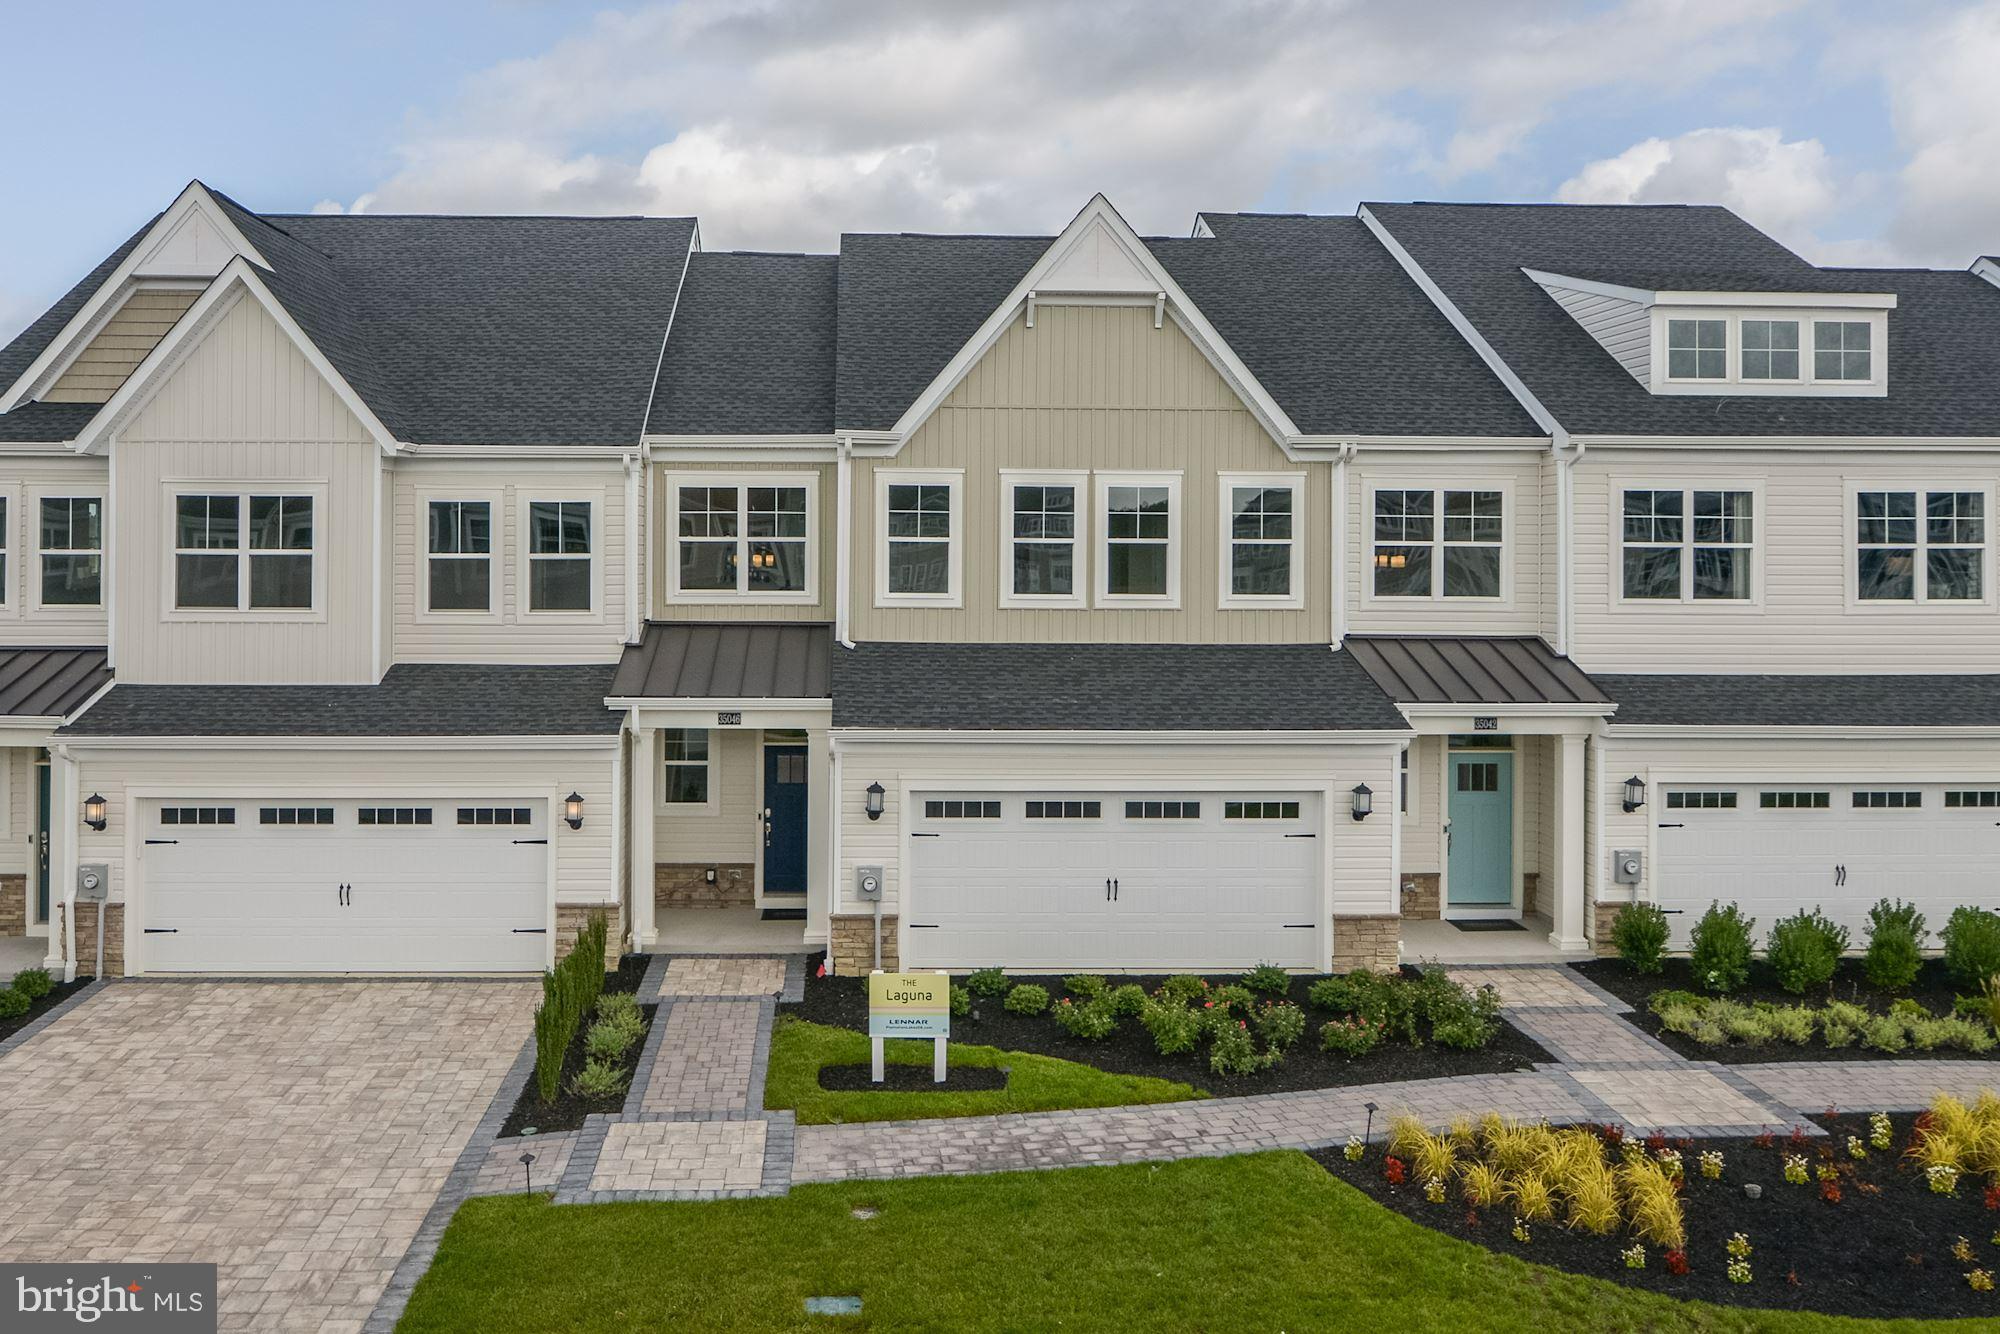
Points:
(1885, 1253)
(843, 1002)
(569, 1109)
(1933, 990)
(911, 1079)
(53, 1001)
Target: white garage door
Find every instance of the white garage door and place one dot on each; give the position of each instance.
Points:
(1774, 850)
(1140, 880)
(296, 885)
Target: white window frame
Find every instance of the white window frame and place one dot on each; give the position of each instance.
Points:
(12, 531)
(496, 557)
(1739, 348)
(30, 529)
(953, 480)
(1876, 333)
(1078, 480)
(1759, 521)
(1226, 598)
(1730, 342)
(713, 764)
(525, 498)
(1805, 316)
(172, 489)
(670, 508)
(1850, 548)
(1176, 525)
(1505, 598)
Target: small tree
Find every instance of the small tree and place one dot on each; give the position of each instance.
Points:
(1895, 954)
(1640, 933)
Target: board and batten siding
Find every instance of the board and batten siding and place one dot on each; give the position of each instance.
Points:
(1527, 556)
(1802, 620)
(660, 546)
(1097, 388)
(509, 632)
(726, 833)
(245, 411)
(1363, 871)
(1623, 328)
(24, 481)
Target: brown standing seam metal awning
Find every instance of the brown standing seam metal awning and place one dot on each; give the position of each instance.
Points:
(50, 682)
(1441, 669)
(727, 660)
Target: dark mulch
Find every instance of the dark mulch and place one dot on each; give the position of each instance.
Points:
(1880, 1254)
(843, 1002)
(1933, 990)
(55, 1000)
(911, 1079)
(569, 1109)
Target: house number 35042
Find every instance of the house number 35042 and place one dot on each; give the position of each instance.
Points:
(1485, 724)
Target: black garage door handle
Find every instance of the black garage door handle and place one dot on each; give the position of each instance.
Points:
(530, 840)
(531, 931)
(152, 841)
(163, 931)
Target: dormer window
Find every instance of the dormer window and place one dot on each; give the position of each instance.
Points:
(1842, 350)
(1770, 349)
(1697, 349)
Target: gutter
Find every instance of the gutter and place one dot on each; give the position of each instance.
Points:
(843, 562)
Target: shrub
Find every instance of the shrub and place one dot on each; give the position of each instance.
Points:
(598, 1079)
(1791, 1023)
(1971, 945)
(1233, 998)
(1640, 933)
(1738, 1022)
(961, 1001)
(611, 1038)
(1233, 1053)
(1840, 1023)
(1027, 998)
(612, 1004)
(1086, 986)
(1091, 1021)
(569, 991)
(988, 982)
(1989, 995)
(1467, 1021)
(1434, 1158)
(34, 983)
(1350, 1037)
(1406, 1132)
(1896, 935)
(1667, 998)
(1532, 1198)
(1175, 1028)
(1268, 979)
(1280, 1024)
(13, 1004)
(1481, 1184)
(1804, 949)
(1884, 1032)
(1339, 994)
(1184, 987)
(1127, 1001)
(1652, 1199)
(1593, 1199)
(1720, 948)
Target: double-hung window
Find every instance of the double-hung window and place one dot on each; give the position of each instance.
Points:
(1432, 544)
(733, 540)
(1697, 349)
(1263, 548)
(243, 552)
(560, 555)
(1843, 350)
(1920, 546)
(1140, 517)
(460, 544)
(684, 755)
(72, 551)
(922, 538)
(1688, 545)
(1042, 527)
(6, 546)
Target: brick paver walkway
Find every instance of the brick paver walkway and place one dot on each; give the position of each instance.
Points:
(293, 1133)
(706, 1058)
(722, 976)
(681, 1157)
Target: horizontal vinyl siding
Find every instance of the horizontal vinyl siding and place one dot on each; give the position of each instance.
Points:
(1093, 388)
(23, 481)
(1804, 549)
(729, 833)
(661, 547)
(111, 357)
(510, 632)
(1423, 823)
(17, 846)
(1624, 328)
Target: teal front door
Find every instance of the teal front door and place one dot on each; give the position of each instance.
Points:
(1482, 830)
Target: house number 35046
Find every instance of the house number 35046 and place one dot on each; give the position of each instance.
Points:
(729, 720)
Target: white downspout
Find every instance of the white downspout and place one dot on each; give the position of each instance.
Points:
(1566, 452)
(62, 859)
(1337, 558)
(834, 846)
(843, 563)
(634, 531)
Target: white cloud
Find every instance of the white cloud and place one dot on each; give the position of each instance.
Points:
(1786, 187)
(1945, 100)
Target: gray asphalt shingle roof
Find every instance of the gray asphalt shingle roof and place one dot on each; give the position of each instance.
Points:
(752, 351)
(1908, 700)
(1944, 335)
(1107, 688)
(413, 699)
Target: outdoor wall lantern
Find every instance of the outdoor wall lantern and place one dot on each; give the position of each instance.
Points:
(573, 810)
(1635, 793)
(874, 807)
(93, 811)
(1364, 801)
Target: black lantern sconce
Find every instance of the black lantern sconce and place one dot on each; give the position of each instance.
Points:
(1364, 801)
(874, 806)
(573, 810)
(1635, 793)
(93, 811)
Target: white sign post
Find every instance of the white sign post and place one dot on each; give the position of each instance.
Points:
(909, 1005)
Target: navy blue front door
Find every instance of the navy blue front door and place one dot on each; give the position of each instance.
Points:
(784, 819)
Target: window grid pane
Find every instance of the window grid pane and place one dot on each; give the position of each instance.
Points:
(1138, 530)
(1260, 541)
(1044, 538)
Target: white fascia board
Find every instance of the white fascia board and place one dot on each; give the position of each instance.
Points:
(410, 453)
(1308, 446)
(897, 737)
(1616, 291)
(1477, 341)
(108, 297)
(1816, 444)
(742, 448)
(1814, 300)
(1988, 268)
(1098, 213)
(238, 280)
(1814, 732)
(592, 741)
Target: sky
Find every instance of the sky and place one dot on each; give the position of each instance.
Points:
(1855, 133)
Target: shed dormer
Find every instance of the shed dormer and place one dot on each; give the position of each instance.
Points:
(1728, 342)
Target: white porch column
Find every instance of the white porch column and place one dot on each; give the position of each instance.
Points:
(1569, 797)
(823, 808)
(641, 788)
(63, 818)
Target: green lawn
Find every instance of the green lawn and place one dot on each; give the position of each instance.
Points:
(1267, 1242)
(1034, 1084)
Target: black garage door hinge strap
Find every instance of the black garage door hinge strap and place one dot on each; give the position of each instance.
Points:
(530, 840)
(923, 926)
(531, 931)
(163, 931)
(152, 841)
(1300, 926)
(1673, 826)
(926, 835)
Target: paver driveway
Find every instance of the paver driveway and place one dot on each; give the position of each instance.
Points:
(293, 1133)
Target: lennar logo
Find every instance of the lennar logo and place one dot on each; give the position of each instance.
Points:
(162, 1298)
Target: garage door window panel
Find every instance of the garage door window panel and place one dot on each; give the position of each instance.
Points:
(1920, 546)
(1888, 801)
(1064, 810)
(1701, 801)
(955, 809)
(1969, 800)
(1794, 801)
(295, 815)
(382, 817)
(197, 815)
(1163, 810)
(1260, 810)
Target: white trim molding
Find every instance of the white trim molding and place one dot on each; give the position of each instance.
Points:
(1078, 480)
(742, 483)
(1170, 598)
(1294, 484)
(952, 480)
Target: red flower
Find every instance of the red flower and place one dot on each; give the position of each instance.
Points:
(1208, 1005)
(1677, 1262)
(1993, 1197)
(1614, 1135)
(1829, 1190)
(1798, 1137)
(1241, 1024)
(1392, 1170)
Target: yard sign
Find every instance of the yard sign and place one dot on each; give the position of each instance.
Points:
(909, 1005)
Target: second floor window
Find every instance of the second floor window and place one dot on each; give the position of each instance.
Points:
(1770, 349)
(1697, 349)
(72, 551)
(460, 546)
(1843, 350)
(559, 555)
(919, 519)
(1261, 543)
(1141, 555)
(237, 552)
(741, 541)
(1682, 546)
(1920, 546)
(1041, 518)
(1438, 543)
